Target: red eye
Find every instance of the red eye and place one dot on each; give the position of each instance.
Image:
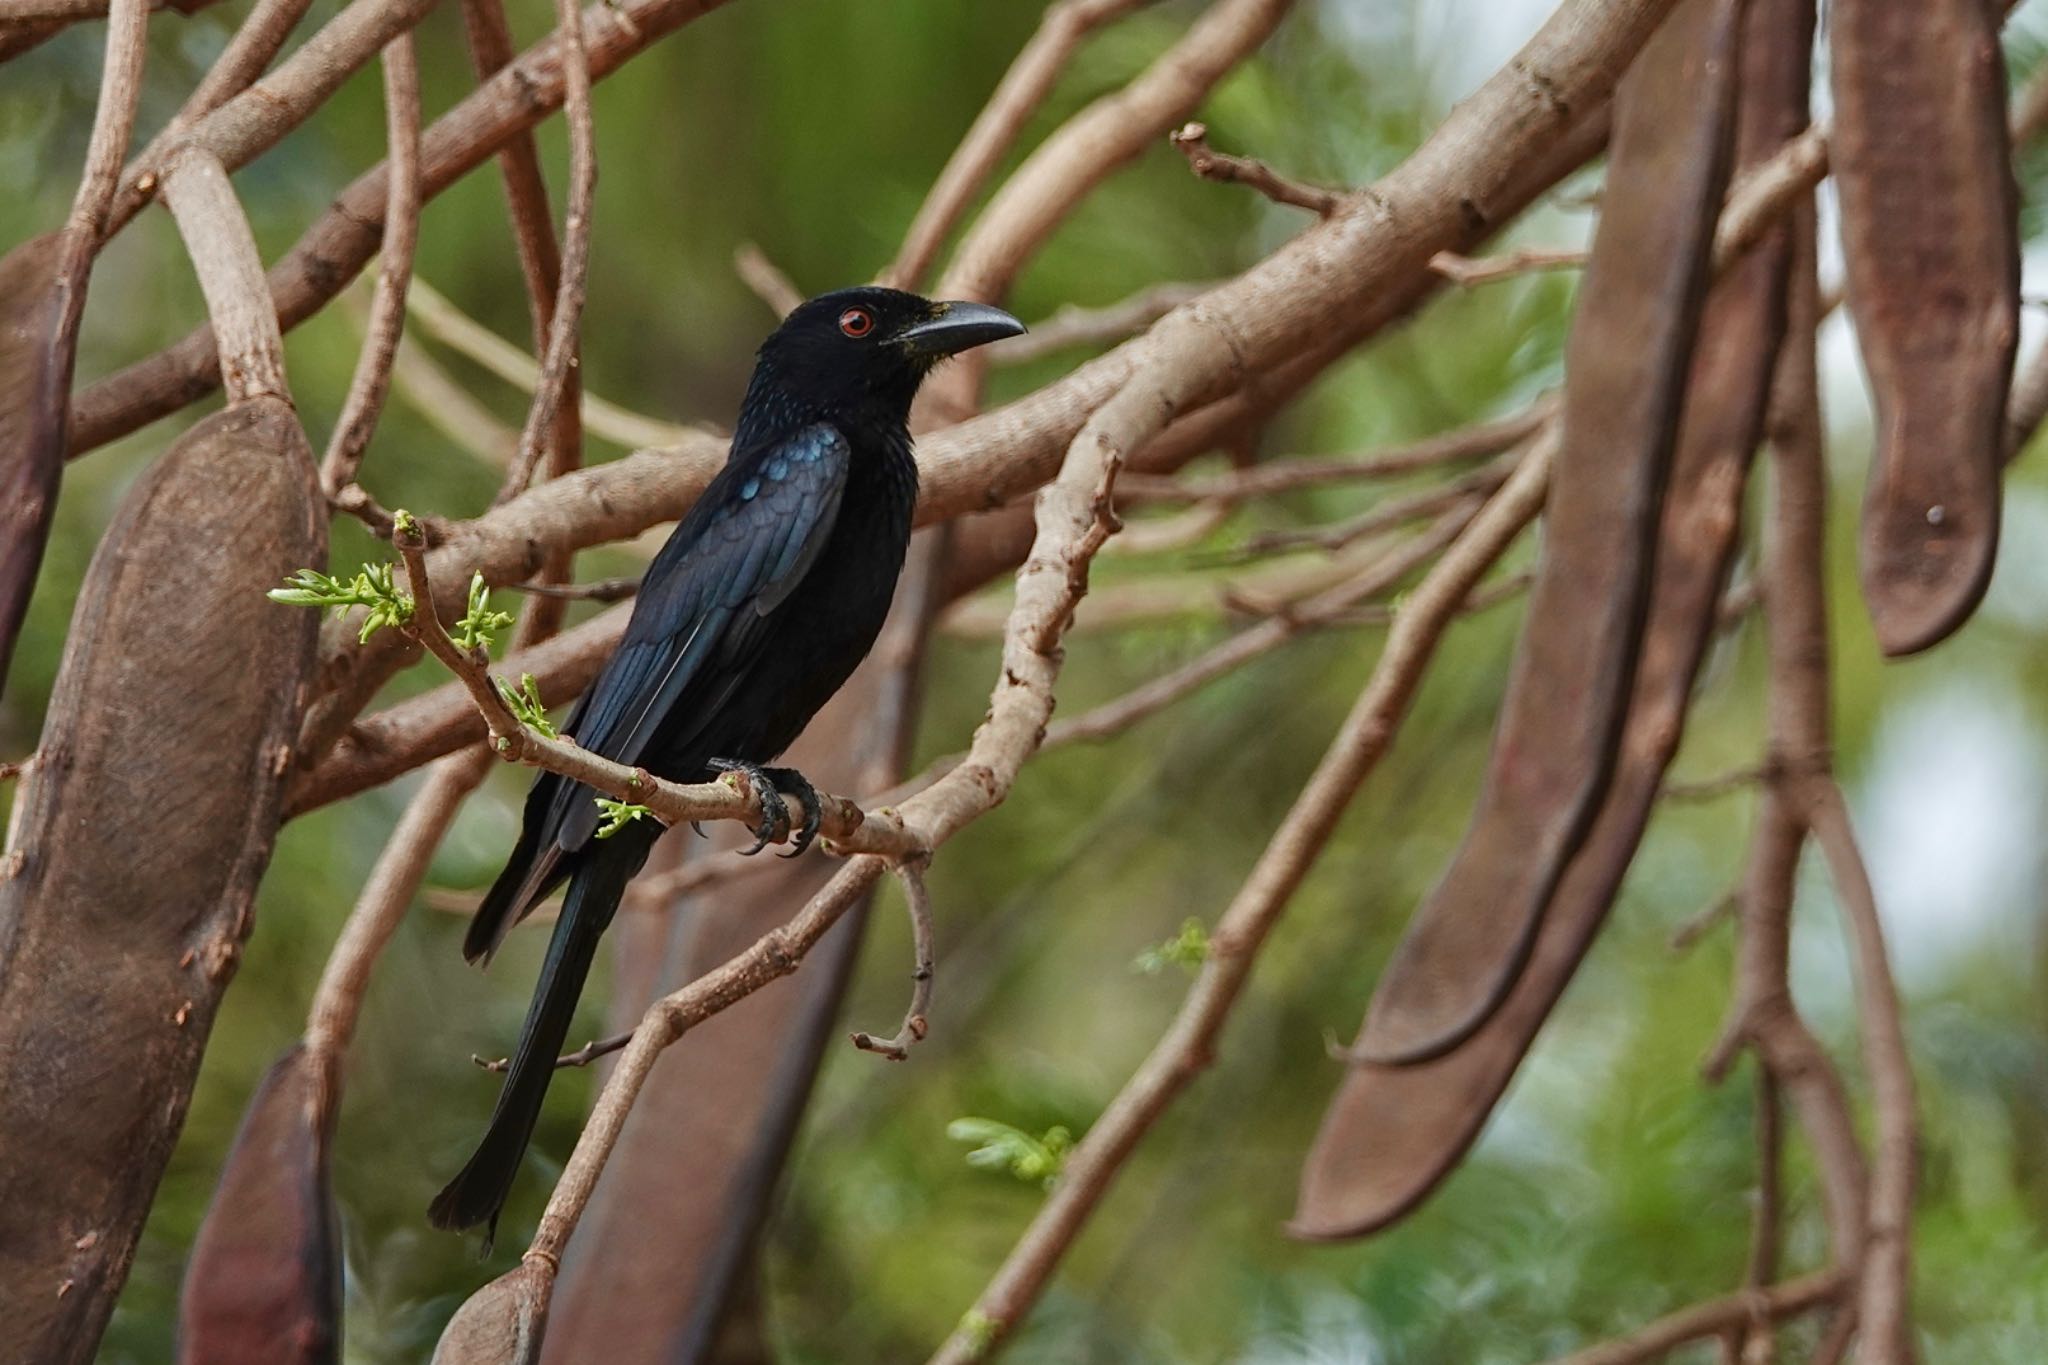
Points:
(856, 322)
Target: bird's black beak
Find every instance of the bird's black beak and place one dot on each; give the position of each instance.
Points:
(957, 327)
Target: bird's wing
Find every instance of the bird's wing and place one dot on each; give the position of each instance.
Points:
(702, 611)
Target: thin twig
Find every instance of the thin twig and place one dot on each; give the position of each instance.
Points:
(1192, 142)
(1787, 1300)
(768, 280)
(917, 1021)
(1470, 271)
(1284, 476)
(564, 335)
(439, 317)
(1190, 1040)
(1383, 516)
(1725, 784)
(389, 892)
(1022, 90)
(597, 590)
(1073, 325)
(372, 381)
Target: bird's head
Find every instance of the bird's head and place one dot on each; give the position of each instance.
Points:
(866, 350)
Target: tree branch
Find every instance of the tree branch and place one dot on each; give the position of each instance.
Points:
(917, 1021)
(844, 826)
(1192, 142)
(1019, 94)
(372, 381)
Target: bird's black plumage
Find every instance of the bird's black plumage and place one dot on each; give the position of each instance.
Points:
(757, 609)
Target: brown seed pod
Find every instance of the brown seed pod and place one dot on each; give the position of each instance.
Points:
(1625, 373)
(246, 1297)
(1394, 1132)
(142, 835)
(1931, 242)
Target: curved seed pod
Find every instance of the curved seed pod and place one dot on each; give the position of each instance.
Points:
(142, 835)
(1394, 1132)
(1625, 372)
(1930, 238)
(256, 1306)
(35, 379)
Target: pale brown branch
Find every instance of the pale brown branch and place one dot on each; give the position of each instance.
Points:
(440, 318)
(1073, 325)
(1789, 1299)
(1470, 271)
(344, 238)
(243, 127)
(257, 39)
(1383, 516)
(1285, 476)
(1192, 142)
(768, 281)
(564, 333)
(372, 380)
(917, 1021)
(597, 590)
(449, 408)
(223, 253)
(1190, 1040)
(1884, 1303)
(1017, 96)
(385, 897)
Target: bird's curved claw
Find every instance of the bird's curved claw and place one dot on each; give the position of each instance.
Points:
(774, 810)
(790, 780)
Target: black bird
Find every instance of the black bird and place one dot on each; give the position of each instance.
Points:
(757, 609)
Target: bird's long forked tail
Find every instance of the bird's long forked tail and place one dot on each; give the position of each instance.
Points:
(477, 1194)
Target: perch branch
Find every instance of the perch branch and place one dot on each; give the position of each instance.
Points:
(847, 828)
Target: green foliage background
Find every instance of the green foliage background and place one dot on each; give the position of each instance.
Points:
(1611, 1188)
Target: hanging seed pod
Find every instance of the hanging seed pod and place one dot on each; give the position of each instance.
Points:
(273, 1292)
(1930, 238)
(147, 823)
(1625, 372)
(1394, 1132)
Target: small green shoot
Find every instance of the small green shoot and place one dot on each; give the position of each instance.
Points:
(1003, 1148)
(479, 625)
(618, 815)
(525, 704)
(980, 1331)
(372, 588)
(1189, 948)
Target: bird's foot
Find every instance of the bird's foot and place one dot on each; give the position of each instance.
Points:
(768, 784)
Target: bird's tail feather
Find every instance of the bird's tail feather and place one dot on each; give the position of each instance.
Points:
(476, 1195)
(530, 873)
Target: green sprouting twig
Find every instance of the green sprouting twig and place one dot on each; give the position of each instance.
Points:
(373, 589)
(479, 625)
(618, 815)
(1004, 1148)
(1188, 949)
(525, 704)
